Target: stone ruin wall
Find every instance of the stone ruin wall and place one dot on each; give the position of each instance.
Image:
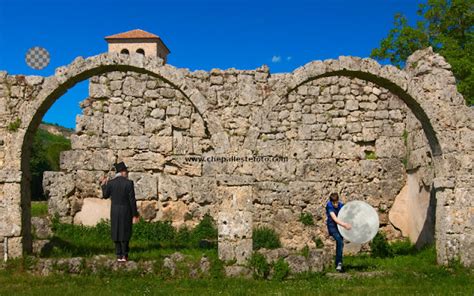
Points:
(237, 108)
(150, 126)
(338, 134)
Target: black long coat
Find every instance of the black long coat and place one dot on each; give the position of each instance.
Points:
(124, 207)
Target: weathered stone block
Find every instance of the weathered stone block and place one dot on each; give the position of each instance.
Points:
(102, 160)
(147, 209)
(133, 87)
(161, 144)
(390, 147)
(234, 224)
(157, 126)
(145, 161)
(173, 187)
(58, 186)
(235, 198)
(98, 91)
(93, 211)
(204, 190)
(197, 126)
(317, 169)
(182, 144)
(90, 125)
(87, 183)
(116, 124)
(146, 185)
(320, 149)
(82, 142)
(346, 150)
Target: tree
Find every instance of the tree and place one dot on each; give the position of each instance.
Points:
(45, 152)
(448, 27)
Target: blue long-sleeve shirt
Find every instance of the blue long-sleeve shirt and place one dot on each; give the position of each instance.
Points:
(330, 208)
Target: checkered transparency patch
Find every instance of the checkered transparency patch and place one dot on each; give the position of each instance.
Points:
(37, 57)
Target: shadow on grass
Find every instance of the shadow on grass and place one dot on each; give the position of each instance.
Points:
(360, 266)
(58, 246)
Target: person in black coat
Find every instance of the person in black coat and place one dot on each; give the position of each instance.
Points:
(123, 212)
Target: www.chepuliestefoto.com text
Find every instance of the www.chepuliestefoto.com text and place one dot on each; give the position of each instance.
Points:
(236, 158)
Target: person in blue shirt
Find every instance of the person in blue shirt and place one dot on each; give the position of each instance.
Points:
(332, 209)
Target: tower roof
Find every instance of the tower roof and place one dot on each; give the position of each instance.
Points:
(133, 34)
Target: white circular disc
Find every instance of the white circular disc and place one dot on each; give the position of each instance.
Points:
(363, 218)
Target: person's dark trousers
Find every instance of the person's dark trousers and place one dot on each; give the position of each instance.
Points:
(121, 249)
(339, 244)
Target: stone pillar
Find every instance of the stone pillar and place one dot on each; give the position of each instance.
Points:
(11, 213)
(235, 223)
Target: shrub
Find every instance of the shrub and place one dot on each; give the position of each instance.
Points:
(380, 247)
(306, 219)
(45, 151)
(183, 237)
(205, 231)
(102, 229)
(402, 247)
(154, 231)
(14, 125)
(319, 242)
(370, 155)
(259, 266)
(265, 237)
(281, 270)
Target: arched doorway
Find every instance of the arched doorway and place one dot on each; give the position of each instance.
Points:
(69, 76)
(341, 136)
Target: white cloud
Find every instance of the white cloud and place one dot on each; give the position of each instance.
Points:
(276, 59)
(289, 58)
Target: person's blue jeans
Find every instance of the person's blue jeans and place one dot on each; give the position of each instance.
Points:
(334, 232)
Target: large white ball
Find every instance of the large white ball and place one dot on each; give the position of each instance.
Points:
(363, 218)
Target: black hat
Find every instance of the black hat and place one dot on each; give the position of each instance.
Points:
(120, 167)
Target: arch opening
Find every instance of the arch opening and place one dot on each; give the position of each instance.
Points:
(49, 100)
(414, 106)
(322, 161)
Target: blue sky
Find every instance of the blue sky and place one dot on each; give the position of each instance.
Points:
(200, 34)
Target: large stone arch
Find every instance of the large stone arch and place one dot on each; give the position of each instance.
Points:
(48, 90)
(428, 89)
(389, 77)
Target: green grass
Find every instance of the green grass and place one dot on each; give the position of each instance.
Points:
(265, 237)
(370, 155)
(149, 240)
(408, 272)
(39, 208)
(14, 125)
(306, 219)
(415, 274)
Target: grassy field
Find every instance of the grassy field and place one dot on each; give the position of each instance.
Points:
(409, 272)
(405, 275)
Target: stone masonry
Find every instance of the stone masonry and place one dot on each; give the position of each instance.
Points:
(402, 140)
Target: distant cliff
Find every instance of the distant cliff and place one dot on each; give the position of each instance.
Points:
(56, 129)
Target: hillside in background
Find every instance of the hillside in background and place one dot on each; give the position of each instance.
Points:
(56, 129)
(49, 141)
